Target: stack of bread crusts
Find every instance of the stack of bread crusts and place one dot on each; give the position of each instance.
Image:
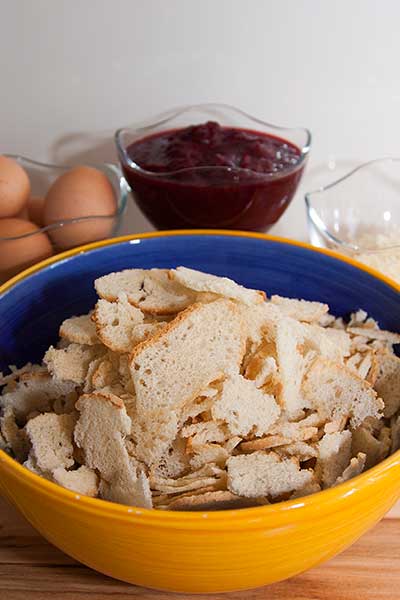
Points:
(186, 391)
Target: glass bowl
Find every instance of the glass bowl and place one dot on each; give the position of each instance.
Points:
(90, 228)
(359, 215)
(224, 196)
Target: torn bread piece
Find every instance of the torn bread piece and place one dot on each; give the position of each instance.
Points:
(334, 454)
(201, 405)
(88, 385)
(291, 367)
(264, 443)
(261, 366)
(232, 443)
(297, 344)
(374, 333)
(333, 344)
(208, 475)
(375, 448)
(364, 364)
(152, 291)
(204, 432)
(105, 374)
(221, 286)
(124, 374)
(82, 480)
(51, 438)
(71, 363)
(79, 330)
(265, 474)
(175, 462)
(218, 500)
(100, 432)
(162, 501)
(295, 429)
(356, 466)
(35, 391)
(244, 408)
(130, 487)
(265, 374)
(359, 344)
(208, 453)
(387, 384)
(115, 323)
(149, 449)
(373, 372)
(205, 471)
(110, 373)
(188, 485)
(300, 450)
(283, 433)
(14, 438)
(341, 340)
(170, 370)
(259, 320)
(336, 425)
(334, 391)
(9, 381)
(357, 318)
(302, 310)
(65, 404)
(327, 320)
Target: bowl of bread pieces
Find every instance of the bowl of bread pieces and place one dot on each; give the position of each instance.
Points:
(200, 411)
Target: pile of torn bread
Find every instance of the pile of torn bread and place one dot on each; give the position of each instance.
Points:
(183, 390)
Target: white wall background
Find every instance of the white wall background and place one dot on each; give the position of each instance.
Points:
(71, 72)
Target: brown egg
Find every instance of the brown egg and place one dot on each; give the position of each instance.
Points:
(14, 187)
(23, 213)
(16, 255)
(35, 209)
(81, 192)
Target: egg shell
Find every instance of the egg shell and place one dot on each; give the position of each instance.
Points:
(14, 187)
(17, 254)
(81, 192)
(35, 210)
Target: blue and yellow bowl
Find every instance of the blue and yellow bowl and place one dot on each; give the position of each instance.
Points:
(195, 552)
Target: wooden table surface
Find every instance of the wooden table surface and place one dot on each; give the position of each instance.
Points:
(32, 569)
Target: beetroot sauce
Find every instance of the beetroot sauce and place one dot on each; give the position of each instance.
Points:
(212, 176)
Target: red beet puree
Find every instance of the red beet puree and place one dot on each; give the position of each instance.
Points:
(212, 176)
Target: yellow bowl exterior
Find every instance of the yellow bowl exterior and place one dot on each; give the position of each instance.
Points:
(201, 552)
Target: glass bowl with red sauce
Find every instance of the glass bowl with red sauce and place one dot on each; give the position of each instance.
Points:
(212, 166)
